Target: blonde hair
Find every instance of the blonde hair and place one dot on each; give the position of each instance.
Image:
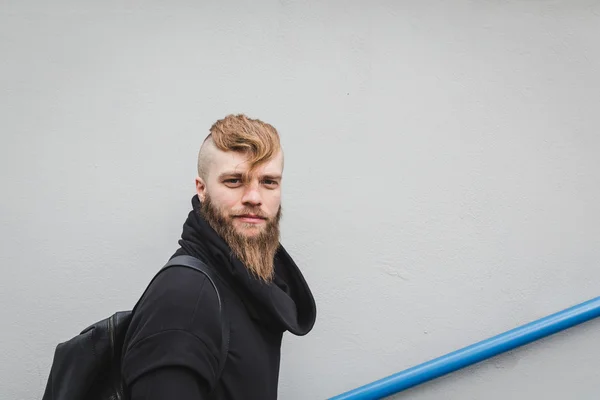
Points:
(245, 135)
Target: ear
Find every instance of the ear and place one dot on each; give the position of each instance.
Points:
(200, 188)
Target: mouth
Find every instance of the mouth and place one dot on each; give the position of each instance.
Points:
(250, 218)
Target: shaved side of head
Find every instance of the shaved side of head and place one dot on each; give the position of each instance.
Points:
(206, 157)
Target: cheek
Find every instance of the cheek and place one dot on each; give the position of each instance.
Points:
(230, 201)
(225, 199)
(274, 204)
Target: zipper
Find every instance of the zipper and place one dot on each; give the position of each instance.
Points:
(111, 336)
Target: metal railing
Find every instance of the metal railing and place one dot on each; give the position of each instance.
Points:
(476, 352)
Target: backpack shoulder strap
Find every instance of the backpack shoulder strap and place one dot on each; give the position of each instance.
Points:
(196, 264)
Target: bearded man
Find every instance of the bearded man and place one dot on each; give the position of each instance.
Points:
(174, 342)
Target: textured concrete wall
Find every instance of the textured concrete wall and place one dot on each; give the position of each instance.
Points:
(442, 175)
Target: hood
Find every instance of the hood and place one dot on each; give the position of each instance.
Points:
(286, 303)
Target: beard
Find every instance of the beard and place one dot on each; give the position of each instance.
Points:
(257, 252)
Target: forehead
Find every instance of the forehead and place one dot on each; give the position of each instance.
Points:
(237, 162)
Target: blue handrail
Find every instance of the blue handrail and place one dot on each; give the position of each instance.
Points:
(476, 352)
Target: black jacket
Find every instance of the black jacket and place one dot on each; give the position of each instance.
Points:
(172, 347)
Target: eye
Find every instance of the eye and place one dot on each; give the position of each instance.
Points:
(270, 183)
(232, 182)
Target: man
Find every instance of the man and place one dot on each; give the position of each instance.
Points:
(172, 347)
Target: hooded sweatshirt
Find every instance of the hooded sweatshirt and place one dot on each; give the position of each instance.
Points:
(173, 345)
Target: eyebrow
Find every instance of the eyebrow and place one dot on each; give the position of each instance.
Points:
(230, 175)
(238, 175)
(272, 177)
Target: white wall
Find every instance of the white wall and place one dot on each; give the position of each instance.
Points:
(442, 175)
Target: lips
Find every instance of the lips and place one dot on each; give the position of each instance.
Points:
(251, 218)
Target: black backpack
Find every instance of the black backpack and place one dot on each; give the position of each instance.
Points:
(88, 367)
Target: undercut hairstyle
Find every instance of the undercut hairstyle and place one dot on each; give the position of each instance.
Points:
(257, 139)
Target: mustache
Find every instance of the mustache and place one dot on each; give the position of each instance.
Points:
(247, 211)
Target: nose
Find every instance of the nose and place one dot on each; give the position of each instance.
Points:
(252, 196)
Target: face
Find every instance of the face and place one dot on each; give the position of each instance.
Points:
(248, 206)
